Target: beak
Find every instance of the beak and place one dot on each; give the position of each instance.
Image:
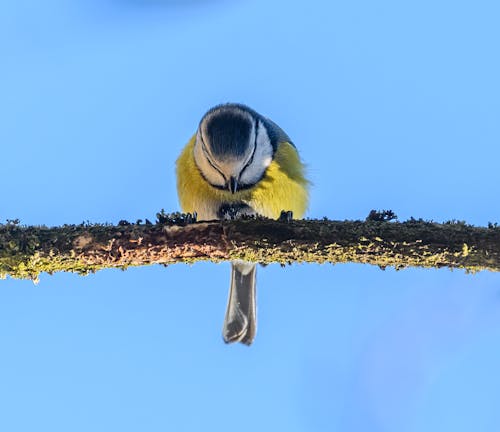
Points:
(232, 185)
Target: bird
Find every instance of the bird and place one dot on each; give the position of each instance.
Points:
(240, 163)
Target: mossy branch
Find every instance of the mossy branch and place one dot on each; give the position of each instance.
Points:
(26, 251)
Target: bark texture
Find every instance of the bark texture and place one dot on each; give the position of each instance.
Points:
(26, 251)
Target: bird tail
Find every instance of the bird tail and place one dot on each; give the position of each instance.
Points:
(240, 323)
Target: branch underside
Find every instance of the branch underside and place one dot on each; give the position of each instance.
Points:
(27, 251)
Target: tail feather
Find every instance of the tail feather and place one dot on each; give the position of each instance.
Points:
(240, 323)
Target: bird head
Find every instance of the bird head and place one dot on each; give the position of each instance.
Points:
(232, 149)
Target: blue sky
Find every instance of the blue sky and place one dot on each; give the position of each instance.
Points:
(393, 105)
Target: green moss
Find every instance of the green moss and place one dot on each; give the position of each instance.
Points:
(25, 252)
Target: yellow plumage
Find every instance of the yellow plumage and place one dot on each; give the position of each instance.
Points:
(284, 186)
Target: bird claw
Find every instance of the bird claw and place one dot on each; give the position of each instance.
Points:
(191, 218)
(286, 216)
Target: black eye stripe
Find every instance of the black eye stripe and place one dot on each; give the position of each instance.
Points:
(254, 148)
(209, 160)
(217, 169)
(249, 162)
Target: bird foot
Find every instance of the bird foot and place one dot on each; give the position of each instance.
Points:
(286, 216)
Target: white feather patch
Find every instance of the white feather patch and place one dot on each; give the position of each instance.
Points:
(262, 158)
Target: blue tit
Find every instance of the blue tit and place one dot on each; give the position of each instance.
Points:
(240, 163)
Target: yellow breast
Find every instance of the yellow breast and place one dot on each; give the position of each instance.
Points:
(284, 187)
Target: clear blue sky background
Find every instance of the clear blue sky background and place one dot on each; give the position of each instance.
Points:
(393, 105)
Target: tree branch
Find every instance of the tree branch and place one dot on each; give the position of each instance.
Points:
(27, 251)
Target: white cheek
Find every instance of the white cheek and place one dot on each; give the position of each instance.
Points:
(213, 176)
(261, 160)
(267, 161)
(208, 172)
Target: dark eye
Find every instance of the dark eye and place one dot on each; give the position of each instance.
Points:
(207, 156)
(247, 164)
(253, 154)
